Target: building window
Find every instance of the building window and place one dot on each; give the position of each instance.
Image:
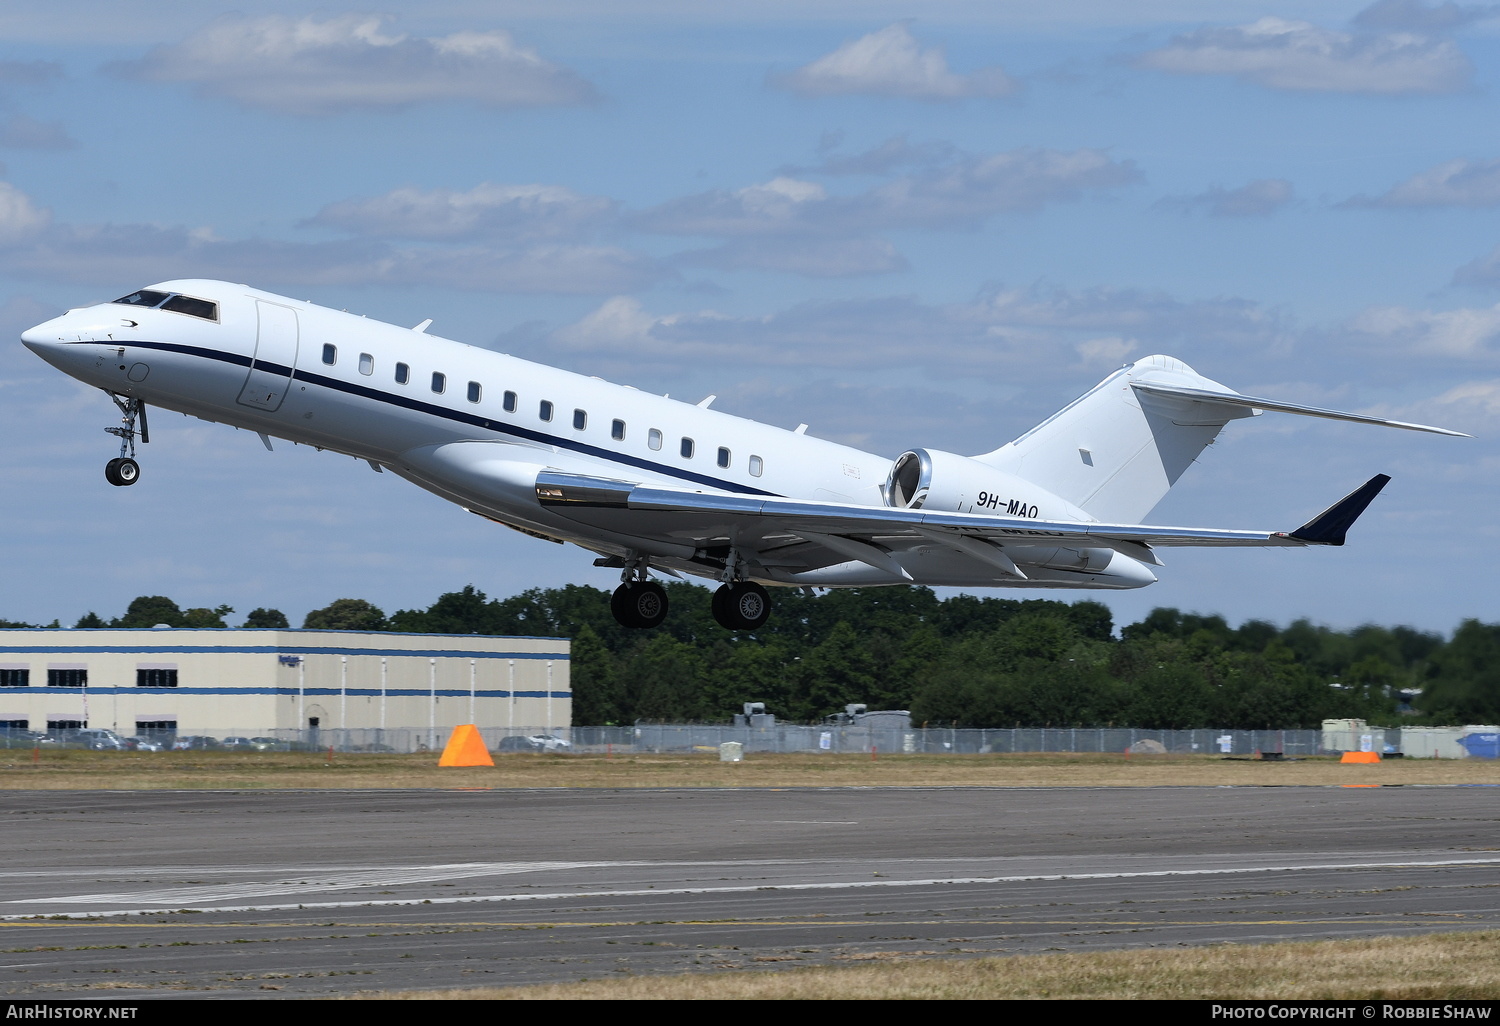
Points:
(545, 409)
(617, 430)
(67, 678)
(653, 438)
(509, 402)
(723, 456)
(14, 724)
(330, 354)
(439, 382)
(757, 467)
(156, 678)
(141, 726)
(580, 420)
(66, 725)
(366, 363)
(687, 448)
(474, 391)
(403, 373)
(15, 677)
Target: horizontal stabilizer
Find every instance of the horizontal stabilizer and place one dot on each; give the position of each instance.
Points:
(1330, 526)
(1203, 395)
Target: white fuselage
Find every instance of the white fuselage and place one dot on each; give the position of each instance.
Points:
(475, 426)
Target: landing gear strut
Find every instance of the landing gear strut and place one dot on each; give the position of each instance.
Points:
(123, 469)
(638, 602)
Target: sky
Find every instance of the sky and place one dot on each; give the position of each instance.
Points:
(906, 225)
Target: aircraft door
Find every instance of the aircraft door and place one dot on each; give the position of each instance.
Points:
(275, 357)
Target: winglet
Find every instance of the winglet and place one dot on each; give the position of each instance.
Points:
(1330, 526)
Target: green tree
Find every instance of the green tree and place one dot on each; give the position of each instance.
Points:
(150, 610)
(265, 619)
(206, 617)
(346, 614)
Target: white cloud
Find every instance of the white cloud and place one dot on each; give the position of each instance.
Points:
(1454, 183)
(306, 66)
(20, 220)
(487, 210)
(1464, 334)
(1299, 56)
(891, 62)
(1259, 198)
(958, 193)
(1047, 333)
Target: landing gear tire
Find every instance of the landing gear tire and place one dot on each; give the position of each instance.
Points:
(639, 604)
(741, 607)
(122, 471)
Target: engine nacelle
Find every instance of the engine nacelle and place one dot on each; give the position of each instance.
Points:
(944, 482)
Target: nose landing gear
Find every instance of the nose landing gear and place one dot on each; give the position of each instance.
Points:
(123, 469)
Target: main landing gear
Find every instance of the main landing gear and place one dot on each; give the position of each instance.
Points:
(123, 469)
(741, 605)
(640, 602)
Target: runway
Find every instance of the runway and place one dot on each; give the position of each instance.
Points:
(312, 893)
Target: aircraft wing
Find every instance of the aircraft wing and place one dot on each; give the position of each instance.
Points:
(869, 533)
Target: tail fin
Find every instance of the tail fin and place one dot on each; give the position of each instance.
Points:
(1115, 451)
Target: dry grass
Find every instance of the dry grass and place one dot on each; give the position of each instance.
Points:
(79, 770)
(1432, 967)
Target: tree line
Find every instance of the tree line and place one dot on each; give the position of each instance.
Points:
(962, 661)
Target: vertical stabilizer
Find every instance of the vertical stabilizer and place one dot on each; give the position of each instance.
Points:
(1116, 450)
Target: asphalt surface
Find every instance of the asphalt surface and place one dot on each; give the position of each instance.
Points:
(126, 895)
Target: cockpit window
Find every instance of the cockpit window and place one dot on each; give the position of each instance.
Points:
(172, 301)
(193, 307)
(145, 297)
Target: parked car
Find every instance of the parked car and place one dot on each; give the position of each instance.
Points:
(145, 744)
(195, 743)
(269, 744)
(533, 743)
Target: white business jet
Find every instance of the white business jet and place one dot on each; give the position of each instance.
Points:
(652, 484)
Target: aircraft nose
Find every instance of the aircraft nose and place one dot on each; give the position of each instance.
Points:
(41, 338)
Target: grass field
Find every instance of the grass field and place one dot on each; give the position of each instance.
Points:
(81, 770)
(1444, 966)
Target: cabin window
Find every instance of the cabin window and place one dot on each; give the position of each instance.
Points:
(366, 363)
(510, 402)
(330, 354)
(653, 438)
(687, 448)
(403, 373)
(67, 678)
(192, 307)
(617, 430)
(580, 420)
(545, 409)
(439, 382)
(757, 467)
(723, 456)
(15, 677)
(157, 678)
(474, 391)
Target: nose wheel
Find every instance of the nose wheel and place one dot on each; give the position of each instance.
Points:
(123, 469)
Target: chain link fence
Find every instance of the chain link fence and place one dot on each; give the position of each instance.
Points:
(678, 738)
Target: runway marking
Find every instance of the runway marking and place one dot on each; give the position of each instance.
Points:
(753, 888)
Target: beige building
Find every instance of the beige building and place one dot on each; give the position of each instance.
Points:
(276, 682)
